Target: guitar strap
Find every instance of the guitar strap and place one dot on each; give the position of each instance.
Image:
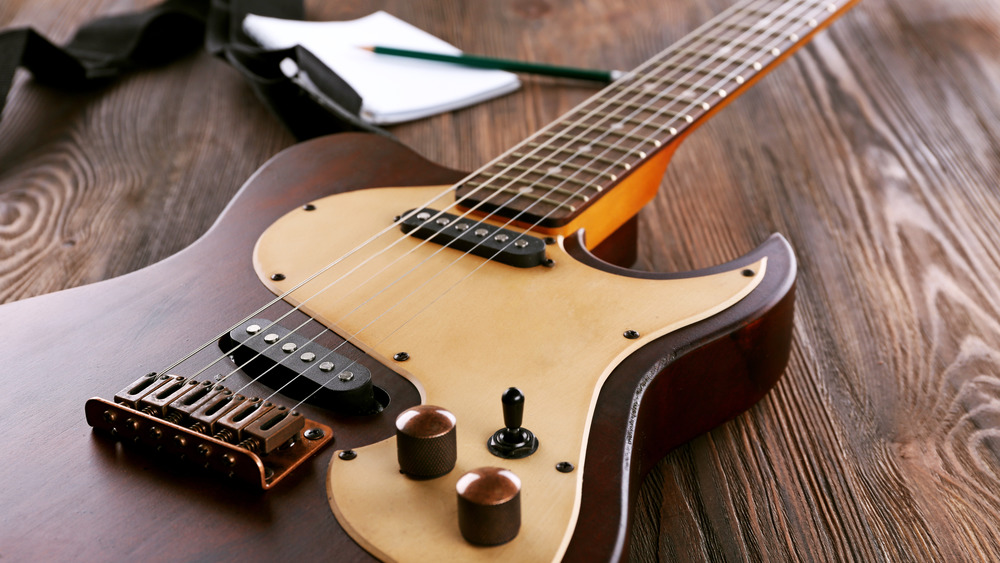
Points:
(311, 100)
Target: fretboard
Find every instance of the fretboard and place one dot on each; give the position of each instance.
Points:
(553, 175)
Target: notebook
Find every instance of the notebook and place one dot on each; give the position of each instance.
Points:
(393, 89)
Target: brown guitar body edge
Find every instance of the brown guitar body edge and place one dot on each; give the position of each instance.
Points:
(69, 493)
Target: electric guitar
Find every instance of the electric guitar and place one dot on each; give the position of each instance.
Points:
(256, 394)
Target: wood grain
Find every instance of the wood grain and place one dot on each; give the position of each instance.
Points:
(874, 150)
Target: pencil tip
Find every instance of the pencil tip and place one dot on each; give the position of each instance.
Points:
(367, 48)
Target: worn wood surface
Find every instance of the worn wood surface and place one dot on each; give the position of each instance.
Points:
(874, 150)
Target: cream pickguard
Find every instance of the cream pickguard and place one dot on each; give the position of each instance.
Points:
(471, 329)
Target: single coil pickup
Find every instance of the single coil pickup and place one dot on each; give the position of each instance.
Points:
(475, 237)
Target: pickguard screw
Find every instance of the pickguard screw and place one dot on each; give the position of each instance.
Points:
(313, 433)
(348, 455)
(548, 263)
(631, 334)
(564, 467)
(277, 277)
(309, 207)
(748, 273)
(550, 240)
(401, 356)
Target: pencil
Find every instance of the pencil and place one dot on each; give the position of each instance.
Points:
(502, 64)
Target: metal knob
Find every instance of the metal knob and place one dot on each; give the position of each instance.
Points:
(425, 441)
(489, 505)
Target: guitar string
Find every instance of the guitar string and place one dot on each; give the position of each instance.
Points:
(660, 79)
(695, 34)
(343, 296)
(446, 291)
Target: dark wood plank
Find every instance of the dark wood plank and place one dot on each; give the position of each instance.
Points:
(874, 151)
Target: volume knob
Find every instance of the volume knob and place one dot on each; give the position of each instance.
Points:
(425, 441)
(489, 505)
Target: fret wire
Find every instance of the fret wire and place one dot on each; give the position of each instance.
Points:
(601, 144)
(529, 195)
(653, 61)
(597, 174)
(730, 44)
(568, 164)
(618, 120)
(578, 181)
(741, 28)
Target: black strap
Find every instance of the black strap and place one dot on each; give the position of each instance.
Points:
(312, 102)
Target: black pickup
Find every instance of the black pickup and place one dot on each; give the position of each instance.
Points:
(471, 235)
(301, 369)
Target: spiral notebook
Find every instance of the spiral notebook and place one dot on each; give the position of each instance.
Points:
(393, 89)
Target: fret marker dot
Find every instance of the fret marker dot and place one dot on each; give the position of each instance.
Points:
(813, 23)
(554, 170)
(613, 177)
(672, 130)
(775, 51)
(657, 143)
(705, 106)
(617, 125)
(525, 190)
(757, 66)
(642, 154)
(627, 166)
(586, 148)
(688, 118)
(831, 8)
(740, 79)
(722, 93)
(793, 37)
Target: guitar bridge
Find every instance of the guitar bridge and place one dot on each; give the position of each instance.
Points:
(245, 439)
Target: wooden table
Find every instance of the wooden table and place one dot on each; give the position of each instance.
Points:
(874, 150)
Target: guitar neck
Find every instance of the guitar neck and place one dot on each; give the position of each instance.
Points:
(558, 173)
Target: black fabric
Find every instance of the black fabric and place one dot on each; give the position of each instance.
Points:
(315, 101)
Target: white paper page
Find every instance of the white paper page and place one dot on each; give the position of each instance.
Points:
(393, 89)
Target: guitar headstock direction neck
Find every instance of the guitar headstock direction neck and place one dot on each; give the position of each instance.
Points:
(553, 178)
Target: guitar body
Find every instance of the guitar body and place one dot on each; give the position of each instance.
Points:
(70, 492)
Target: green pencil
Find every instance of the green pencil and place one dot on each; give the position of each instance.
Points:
(503, 64)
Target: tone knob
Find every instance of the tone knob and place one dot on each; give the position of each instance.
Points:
(489, 505)
(425, 441)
